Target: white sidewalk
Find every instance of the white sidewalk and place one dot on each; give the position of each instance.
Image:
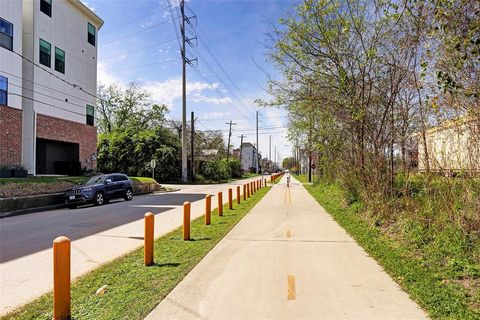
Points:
(287, 259)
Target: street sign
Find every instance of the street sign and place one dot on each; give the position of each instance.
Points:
(153, 163)
(314, 166)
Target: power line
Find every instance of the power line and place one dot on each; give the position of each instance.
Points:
(46, 87)
(146, 65)
(48, 96)
(138, 31)
(135, 20)
(45, 103)
(139, 49)
(56, 76)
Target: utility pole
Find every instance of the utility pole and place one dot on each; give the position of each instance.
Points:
(241, 148)
(192, 146)
(270, 151)
(257, 146)
(275, 158)
(229, 136)
(184, 95)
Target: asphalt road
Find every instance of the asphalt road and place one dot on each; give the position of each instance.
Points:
(26, 234)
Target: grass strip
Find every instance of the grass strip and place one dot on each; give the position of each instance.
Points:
(425, 284)
(301, 178)
(133, 289)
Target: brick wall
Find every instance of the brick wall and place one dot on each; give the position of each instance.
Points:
(69, 131)
(10, 136)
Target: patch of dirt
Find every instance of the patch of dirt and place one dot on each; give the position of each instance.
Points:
(9, 190)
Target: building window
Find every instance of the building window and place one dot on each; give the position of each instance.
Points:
(45, 53)
(6, 34)
(3, 91)
(91, 34)
(59, 60)
(90, 115)
(46, 7)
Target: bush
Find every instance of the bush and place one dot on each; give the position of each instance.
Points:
(215, 170)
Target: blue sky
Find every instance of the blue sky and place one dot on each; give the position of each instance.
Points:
(138, 43)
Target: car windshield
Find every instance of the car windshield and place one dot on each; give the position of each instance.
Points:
(95, 180)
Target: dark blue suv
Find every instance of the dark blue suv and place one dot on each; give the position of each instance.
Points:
(100, 189)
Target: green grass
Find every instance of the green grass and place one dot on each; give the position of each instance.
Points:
(133, 289)
(75, 180)
(142, 180)
(301, 178)
(419, 275)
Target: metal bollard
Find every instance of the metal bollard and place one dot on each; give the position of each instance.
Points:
(230, 202)
(238, 194)
(208, 209)
(186, 220)
(61, 278)
(148, 239)
(244, 192)
(220, 204)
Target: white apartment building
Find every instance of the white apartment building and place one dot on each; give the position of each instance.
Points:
(47, 124)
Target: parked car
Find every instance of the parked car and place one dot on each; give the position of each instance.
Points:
(99, 189)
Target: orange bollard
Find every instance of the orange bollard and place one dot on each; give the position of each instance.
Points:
(244, 192)
(248, 190)
(265, 182)
(186, 220)
(253, 187)
(220, 204)
(230, 202)
(208, 209)
(238, 194)
(61, 278)
(148, 239)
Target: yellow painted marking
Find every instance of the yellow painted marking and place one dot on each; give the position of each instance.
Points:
(289, 234)
(292, 295)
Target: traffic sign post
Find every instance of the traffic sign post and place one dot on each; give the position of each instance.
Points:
(153, 164)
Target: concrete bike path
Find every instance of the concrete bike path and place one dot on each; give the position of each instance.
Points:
(287, 259)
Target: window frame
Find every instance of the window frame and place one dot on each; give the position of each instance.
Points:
(94, 35)
(46, 3)
(8, 35)
(40, 53)
(90, 118)
(57, 69)
(6, 89)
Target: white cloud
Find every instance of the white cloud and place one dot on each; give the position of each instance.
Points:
(169, 91)
(105, 77)
(214, 115)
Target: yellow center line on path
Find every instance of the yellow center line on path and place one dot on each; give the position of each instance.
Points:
(292, 295)
(289, 234)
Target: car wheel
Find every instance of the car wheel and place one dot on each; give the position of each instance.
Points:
(99, 199)
(72, 206)
(128, 195)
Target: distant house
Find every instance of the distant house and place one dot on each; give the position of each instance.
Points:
(451, 147)
(249, 156)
